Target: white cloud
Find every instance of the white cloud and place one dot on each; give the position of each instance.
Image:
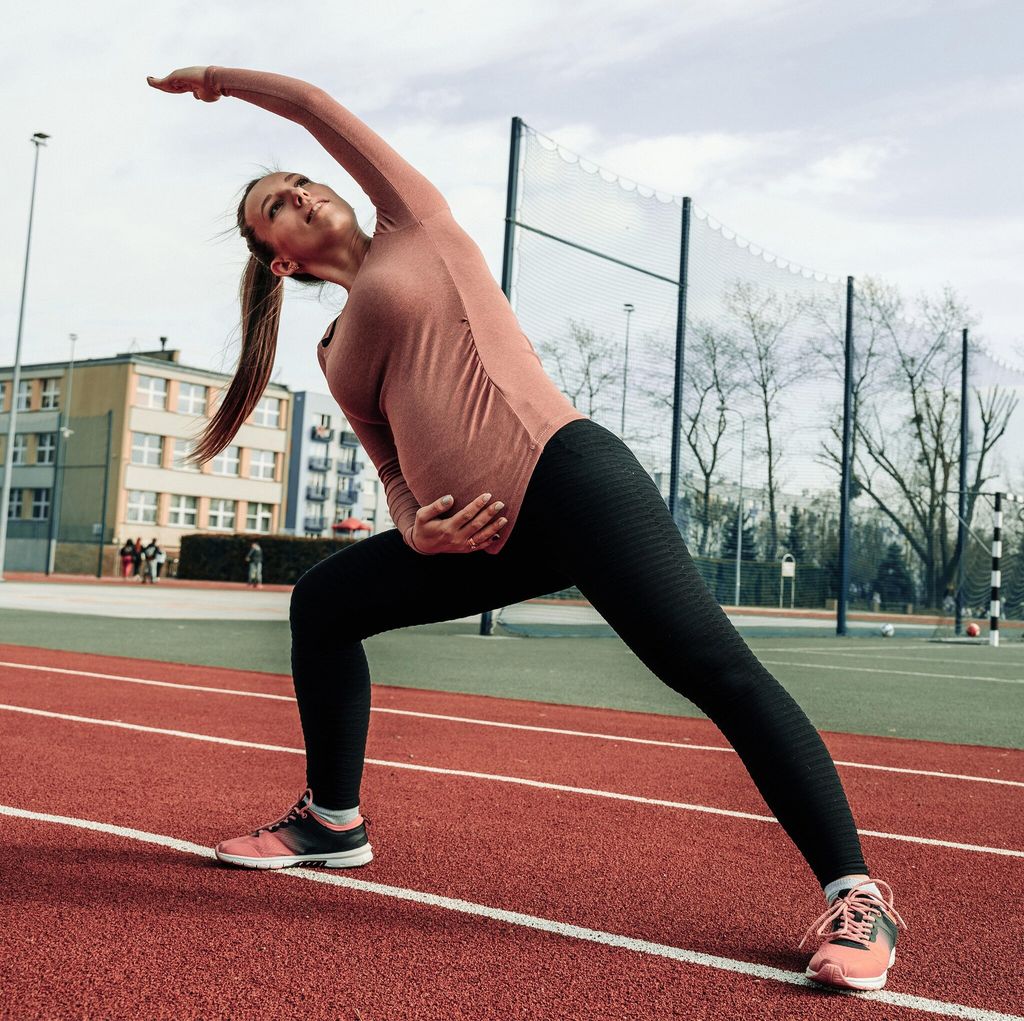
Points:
(843, 171)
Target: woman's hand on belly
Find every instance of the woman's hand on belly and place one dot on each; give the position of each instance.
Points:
(466, 531)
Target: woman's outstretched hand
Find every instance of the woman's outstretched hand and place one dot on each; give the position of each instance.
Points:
(471, 529)
(186, 79)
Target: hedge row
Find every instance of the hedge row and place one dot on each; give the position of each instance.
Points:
(222, 557)
(287, 557)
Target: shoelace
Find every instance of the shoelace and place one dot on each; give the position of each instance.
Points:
(858, 911)
(298, 811)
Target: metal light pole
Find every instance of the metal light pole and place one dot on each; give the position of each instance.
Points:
(628, 309)
(64, 433)
(739, 503)
(37, 140)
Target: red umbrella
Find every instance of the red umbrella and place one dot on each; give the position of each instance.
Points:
(351, 525)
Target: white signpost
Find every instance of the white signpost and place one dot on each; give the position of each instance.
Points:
(788, 570)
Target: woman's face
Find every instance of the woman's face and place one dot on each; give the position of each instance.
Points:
(303, 222)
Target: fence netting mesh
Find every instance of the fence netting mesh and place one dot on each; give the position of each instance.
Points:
(595, 283)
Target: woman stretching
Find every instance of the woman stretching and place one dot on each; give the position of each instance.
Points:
(501, 491)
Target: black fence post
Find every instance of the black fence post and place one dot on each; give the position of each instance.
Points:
(961, 528)
(847, 470)
(106, 484)
(511, 196)
(677, 399)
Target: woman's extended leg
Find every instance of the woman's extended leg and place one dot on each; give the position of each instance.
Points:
(622, 549)
(619, 544)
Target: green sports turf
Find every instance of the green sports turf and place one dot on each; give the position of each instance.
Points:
(861, 686)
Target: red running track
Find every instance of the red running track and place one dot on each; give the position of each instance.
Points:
(113, 927)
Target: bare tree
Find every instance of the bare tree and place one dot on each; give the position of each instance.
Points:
(709, 382)
(763, 318)
(584, 368)
(906, 458)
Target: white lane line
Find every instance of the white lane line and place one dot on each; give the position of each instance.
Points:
(918, 650)
(536, 922)
(919, 659)
(501, 778)
(892, 673)
(145, 680)
(507, 726)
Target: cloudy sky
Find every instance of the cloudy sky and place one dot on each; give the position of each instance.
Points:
(883, 138)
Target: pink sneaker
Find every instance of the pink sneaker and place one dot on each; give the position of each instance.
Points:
(860, 939)
(299, 837)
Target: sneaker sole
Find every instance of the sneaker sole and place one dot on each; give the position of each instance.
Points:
(832, 975)
(339, 860)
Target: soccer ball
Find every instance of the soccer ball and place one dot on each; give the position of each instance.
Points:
(887, 630)
(973, 630)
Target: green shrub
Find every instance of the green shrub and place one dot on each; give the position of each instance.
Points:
(222, 557)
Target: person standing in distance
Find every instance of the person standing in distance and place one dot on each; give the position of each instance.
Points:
(254, 558)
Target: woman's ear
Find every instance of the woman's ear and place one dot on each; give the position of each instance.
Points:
(284, 267)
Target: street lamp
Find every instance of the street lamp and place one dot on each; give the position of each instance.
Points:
(628, 308)
(722, 410)
(38, 139)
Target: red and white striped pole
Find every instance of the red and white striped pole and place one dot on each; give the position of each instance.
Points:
(997, 552)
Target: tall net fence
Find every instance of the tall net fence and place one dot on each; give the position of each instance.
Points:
(80, 507)
(615, 284)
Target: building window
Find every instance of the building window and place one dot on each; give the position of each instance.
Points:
(191, 399)
(14, 507)
(46, 448)
(182, 448)
(222, 515)
(51, 393)
(268, 413)
(261, 464)
(147, 448)
(40, 504)
(227, 462)
(258, 517)
(142, 507)
(151, 392)
(182, 512)
(322, 420)
(20, 448)
(24, 394)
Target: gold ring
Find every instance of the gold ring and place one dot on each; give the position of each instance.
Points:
(472, 544)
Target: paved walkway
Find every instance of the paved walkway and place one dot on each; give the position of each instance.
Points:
(183, 600)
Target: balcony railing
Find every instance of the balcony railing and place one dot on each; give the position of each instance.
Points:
(355, 468)
(347, 497)
(317, 493)
(314, 524)
(321, 434)
(319, 464)
(348, 439)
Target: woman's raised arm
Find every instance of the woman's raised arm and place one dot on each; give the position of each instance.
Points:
(400, 193)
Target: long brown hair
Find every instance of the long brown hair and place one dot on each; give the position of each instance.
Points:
(260, 294)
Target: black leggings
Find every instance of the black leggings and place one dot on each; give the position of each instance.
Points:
(592, 517)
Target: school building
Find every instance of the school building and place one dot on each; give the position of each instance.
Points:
(108, 465)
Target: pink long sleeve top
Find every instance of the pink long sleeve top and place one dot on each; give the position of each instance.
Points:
(427, 359)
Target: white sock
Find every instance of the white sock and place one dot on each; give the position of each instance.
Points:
(336, 816)
(847, 882)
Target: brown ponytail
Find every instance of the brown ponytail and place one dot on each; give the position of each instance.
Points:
(260, 295)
